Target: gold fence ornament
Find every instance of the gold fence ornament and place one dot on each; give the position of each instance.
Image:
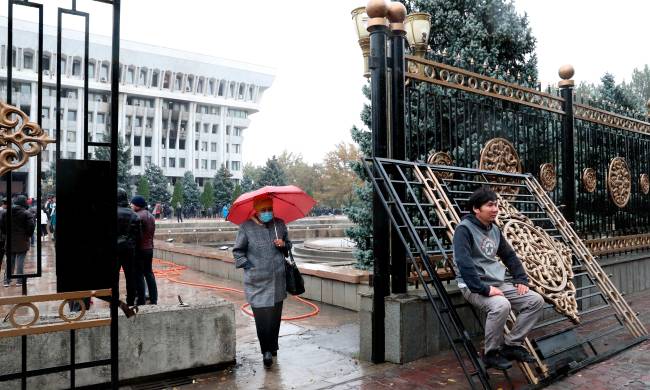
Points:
(547, 261)
(619, 182)
(500, 155)
(547, 176)
(644, 183)
(20, 139)
(441, 158)
(589, 180)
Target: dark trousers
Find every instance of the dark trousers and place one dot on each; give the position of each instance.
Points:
(267, 322)
(179, 216)
(126, 261)
(144, 273)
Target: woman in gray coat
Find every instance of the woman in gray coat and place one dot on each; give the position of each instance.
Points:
(260, 248)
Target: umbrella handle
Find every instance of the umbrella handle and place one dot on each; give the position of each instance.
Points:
(276, 230)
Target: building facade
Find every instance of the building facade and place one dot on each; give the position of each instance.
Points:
(178, 110)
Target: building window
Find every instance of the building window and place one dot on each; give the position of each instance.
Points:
(147, 142)
(227, 148)
(204, 146)
(76, 67)
(213, 164)
(137, 161)
(204, 164)
(28, 61)
(227, 130)
(129, 120)
(138, 121)
(163, 162)
(196, 145)
(91, 70)
(213, 146)
(149, 123)
(46, 62)
(72, 115)
(61, 64)
(237, 148)
(181, 162)
(215, 129)
(72, 155)
(237, 131)
(181, 144)
(101, 118)
(147, 160)
(103, 73)
(196, 164)
(163, 142)
(211, 88)
(206, 128)
(90, 117)
(143, 77)
(129, 76)
(72, 136)
(235, 165)
(45, 113)
(220, 89)
(172, 144)
(154, 79)
(137, 140)
(172, 162)
(237, 113)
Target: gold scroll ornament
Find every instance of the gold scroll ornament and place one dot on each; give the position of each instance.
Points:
(500, 155)
(547, 261)
(619, 182)
(441, 158)
(547, 176)
(20, 139)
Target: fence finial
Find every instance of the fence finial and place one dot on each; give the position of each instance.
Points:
(565, 72)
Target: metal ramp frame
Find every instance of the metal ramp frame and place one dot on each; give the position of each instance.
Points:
(424, 214)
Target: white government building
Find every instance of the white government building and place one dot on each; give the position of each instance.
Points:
(178, 110)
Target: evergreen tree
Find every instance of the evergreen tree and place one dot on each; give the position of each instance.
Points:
(158, 192)
(191, 192)
(236, 192)
(123, 161)
(468, 34)
(207, 197)
(272, 174)
(250, 177)
(223, 187)
(143, 188)
(177, 196)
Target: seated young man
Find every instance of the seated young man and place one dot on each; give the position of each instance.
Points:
(480, 275)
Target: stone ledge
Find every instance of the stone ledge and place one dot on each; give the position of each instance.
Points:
(159, 340)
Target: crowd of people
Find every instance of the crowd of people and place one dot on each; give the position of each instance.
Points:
(180, 211)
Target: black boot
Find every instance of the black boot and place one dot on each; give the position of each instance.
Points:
(493, 359)
(268, 359)
(518, 353)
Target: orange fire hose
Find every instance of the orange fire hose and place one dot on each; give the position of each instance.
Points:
(171, 271)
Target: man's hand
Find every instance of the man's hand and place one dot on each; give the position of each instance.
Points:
(495, 291)
(522, 289)
(279, 243)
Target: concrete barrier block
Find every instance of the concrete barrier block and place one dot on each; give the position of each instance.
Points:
(404, 317)
(159, 340)
(313, 286)
(351, 297)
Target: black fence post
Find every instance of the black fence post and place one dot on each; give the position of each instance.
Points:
(379, 125)
(568, 144)
(397, 150)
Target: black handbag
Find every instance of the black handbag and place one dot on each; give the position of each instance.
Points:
(295, 283)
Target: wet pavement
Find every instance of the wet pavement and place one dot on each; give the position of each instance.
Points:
(320, 352)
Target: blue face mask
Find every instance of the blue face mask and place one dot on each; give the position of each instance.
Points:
(266, 216)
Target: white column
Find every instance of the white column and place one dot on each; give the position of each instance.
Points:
(189, 139)
(157, 131)
(32, 165)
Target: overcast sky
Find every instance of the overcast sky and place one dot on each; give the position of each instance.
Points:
(316, 96)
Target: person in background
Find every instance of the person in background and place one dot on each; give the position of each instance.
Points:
(144, 253)
(22, 228)
(179, 212)
(43, 221)
(261, 245)
(129, 234)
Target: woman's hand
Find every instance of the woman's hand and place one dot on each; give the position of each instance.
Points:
(279, 242)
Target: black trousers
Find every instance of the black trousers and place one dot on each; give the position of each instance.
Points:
(267, 322)
(126, 262)
(144, 273)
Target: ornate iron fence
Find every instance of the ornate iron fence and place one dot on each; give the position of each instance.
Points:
(594, 163)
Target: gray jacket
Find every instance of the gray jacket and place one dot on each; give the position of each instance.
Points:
(264, 282)
(476, 248)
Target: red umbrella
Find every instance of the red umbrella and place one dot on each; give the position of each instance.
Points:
(289, 203)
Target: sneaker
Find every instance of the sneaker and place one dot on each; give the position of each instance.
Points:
(493, 359)
(6, 284)
(518, 353)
